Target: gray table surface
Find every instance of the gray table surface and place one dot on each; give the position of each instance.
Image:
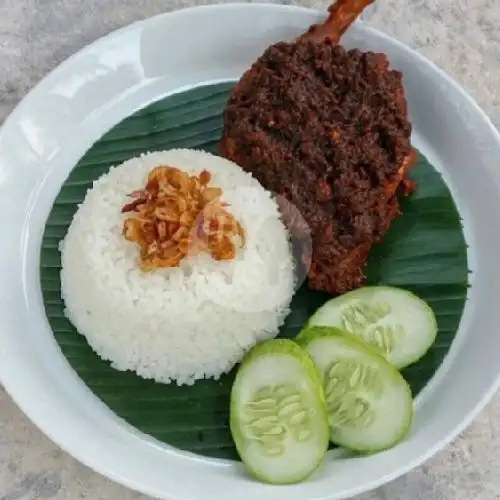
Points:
(461, 36)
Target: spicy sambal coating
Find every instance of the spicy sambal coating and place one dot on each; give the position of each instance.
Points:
(327, 129)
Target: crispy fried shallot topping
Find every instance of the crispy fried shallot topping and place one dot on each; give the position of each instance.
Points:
(177, 214)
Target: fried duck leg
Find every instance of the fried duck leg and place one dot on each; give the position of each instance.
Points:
(326, 129)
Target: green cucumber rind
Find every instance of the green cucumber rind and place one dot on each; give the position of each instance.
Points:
(353, 293)
(310, 334)
(290, 348)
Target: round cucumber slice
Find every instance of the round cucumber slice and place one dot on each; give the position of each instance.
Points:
(278, 413)
(396, 323)
(369, 403)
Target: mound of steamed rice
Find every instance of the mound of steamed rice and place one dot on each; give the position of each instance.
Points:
(180, 324)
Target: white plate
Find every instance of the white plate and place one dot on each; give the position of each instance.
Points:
(57, 122)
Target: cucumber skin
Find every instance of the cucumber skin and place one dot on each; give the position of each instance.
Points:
(309, 334)
(284, 347)
(309, 323)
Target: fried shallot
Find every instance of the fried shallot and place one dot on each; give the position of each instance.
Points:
(176, 214)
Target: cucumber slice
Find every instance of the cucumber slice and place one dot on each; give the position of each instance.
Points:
(396, 323)
(278, 414)
(369, 403)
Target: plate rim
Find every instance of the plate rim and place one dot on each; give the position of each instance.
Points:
(12, 387)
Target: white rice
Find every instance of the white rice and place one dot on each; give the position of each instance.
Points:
(180, 324)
